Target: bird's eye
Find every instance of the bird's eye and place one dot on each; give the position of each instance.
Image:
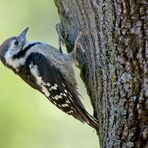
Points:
(16, 43)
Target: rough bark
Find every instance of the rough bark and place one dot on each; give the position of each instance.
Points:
(115, 65)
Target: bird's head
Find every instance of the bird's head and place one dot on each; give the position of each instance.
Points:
(13, 45)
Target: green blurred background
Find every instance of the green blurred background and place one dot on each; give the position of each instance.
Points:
(27, 118)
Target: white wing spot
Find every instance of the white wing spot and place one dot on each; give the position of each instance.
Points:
(60, 105)
(61, 94)
(67, 101)
(70, 112)
(48, 84)
(70, 94)
(64, 95)
(65, 105)
(65, 90)
(39, 81)
(70, 97)
(58, 97)
(53, 98)
(63, 84)
(54, 87)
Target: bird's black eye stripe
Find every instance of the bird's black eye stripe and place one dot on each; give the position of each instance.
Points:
(23, 52)
(16, 42)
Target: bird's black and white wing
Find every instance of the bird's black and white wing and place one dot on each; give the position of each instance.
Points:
(53, 85)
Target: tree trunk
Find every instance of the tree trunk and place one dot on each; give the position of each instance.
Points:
(114, 67)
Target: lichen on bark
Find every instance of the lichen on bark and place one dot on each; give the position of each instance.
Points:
(115, 65)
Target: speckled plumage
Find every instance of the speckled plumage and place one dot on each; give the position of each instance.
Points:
(49, 71)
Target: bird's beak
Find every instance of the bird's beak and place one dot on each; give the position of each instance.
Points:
(24, 33)
(23, 36)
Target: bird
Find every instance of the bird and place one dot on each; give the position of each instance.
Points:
(47, 70)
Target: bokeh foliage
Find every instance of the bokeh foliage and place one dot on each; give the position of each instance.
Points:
(27, 118)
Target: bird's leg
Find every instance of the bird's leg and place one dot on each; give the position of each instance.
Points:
(60, 38)
(78, 44)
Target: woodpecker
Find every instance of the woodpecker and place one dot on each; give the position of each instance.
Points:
(47, 70)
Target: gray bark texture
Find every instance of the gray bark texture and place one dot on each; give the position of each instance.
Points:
(114, 67)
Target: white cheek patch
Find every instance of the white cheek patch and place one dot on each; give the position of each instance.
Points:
(11, 51)
(16, 63)
(9, 54)
(9, 60)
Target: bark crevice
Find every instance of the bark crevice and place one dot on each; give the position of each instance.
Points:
(115, 65)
